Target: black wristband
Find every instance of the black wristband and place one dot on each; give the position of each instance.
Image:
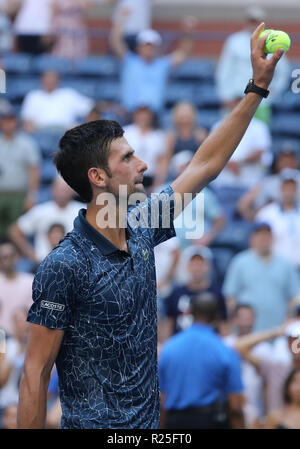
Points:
(251, 87)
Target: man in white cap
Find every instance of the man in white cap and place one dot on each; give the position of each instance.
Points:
(144, 74)
(234, 66)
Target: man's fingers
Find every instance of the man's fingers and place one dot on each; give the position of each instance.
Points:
(256, 33)
(260, 46)
(277, 55)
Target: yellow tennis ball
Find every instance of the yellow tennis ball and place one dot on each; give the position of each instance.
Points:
(276, 39)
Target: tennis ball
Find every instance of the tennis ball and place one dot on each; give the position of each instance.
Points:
(276, 39)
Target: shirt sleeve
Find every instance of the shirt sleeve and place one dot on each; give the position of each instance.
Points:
(32, 153)
(232, 280)
(156, 215)
(53, 292)
(292, 285)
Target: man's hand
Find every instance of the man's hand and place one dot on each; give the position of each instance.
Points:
(263, 68)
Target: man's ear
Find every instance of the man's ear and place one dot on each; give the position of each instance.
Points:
(97, 177)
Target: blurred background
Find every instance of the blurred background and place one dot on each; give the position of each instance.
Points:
(168, 71)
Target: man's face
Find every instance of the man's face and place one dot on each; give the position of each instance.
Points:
(146, 51)
(8, 257)
(50, 81)
(126, 169)
(287, 160)
(289, 191)
(143, 117)
(198, 268)
(261, 241)
(244, 320)
(9, 125)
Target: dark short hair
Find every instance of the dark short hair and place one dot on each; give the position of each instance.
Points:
(286, 395)
(205, 307)
(7, 241)
(243, 306)
(83, 147)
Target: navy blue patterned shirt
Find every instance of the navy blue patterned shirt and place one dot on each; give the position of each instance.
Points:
(105, 300)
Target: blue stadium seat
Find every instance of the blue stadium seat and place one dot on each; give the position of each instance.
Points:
(108, 91)
(208, 117)
(44, 63)
(286, 124)
(19, 86)
(48, 171)
(288, 102)
(100, 66)
(83, 85)
(176, 92)
(195, 69)
(205, 96)
(234, 235)
(48, 140)
(17, 63)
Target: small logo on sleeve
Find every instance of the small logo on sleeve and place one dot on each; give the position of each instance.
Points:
(53, 306)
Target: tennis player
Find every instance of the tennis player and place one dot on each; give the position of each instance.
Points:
(94, 310)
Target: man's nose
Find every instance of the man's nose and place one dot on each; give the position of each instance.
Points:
(142, 166)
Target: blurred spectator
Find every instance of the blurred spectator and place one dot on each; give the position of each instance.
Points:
(199, 216)
(53, 106)
(138, 14)
(251, 158)
(9, 418)
(195, 266)
(11, 368)
(6, 34)
(186, 136)
(15, 286)
(284, 217)
(148, 143)
(275, 366)
(32, 25)
(243, 324)
(262, 279)
(55, 233)
(71, 39)
(19, 170)
(144, 75)
(234, 68)
(198, 373)
(287, 417)
(268, 190)
(37, 222)
(167, 255)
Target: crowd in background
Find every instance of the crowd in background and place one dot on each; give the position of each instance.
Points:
(257, 293)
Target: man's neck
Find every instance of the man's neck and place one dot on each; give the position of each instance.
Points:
(115, 234)
(198, 284)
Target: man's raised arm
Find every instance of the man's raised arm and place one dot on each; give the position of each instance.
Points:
(219, 146)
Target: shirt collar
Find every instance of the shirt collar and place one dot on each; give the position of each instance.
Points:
(83, 227)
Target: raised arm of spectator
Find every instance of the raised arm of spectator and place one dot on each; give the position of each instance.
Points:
(34, 185)
(183, 50)
(245, 343)
(245, 205)
(218, 147)
(116, 37)
(42, 350)
(22, 243)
